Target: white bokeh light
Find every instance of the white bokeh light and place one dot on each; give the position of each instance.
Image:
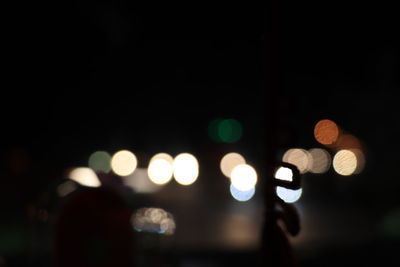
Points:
(186, 169)
(160, 171)
(84, 176)
(284, 174)
(244, 177)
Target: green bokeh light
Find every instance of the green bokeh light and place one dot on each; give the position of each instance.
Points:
(99, 161)
(225, 130)
(230, 131)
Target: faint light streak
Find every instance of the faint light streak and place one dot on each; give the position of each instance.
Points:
(99, 161)
(241, 195)
(298, 157)
(140, 182)
(244, 177)
(66, 188)
(285, 174)
(230, 161)
(160, 171)
(326, 132)
(186, 169)
(345, 162)
(84, 176)
(123, 163)
(321, 160)
(289, 195)
(154, 220)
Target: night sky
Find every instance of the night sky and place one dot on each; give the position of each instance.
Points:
(107, 75)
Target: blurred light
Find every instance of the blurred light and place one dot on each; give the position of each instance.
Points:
(84, 176)
(298, 157)
(321, 160)
(160, 171)
(229, 162)
(186, 169)
(66, 188)
(360, 160)
(326, 132)
(229, 130)
(244, 177)
(241, 195)
(213, 130)
(123, 163)
(284, 174)
(153, 220)
(288, 195)
(140, 182)
(345, 162)
(99, 161)
(163, 156)
(347, 141)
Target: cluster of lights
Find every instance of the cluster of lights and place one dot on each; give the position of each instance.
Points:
(243, 177)
(153, 220)
(348, 158)
(184, 168)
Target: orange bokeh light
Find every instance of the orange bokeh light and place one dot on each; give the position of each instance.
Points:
(326, 132)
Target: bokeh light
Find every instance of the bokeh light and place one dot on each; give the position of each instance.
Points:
(285, 174)
(160, 171)
(154, 220)
(244, 177)
(241, 195)
(99, 161)
(288, 195)
(326, 132)
(298, 157)
(321, 160)
(347, 141)
(186, 169)
(225, 130)
(230, 161)
(66, 188)
(164, 156)
(123, 163)
(140, 182)
(360, 160)
(229, 130)
(84, 176)
(345, 162)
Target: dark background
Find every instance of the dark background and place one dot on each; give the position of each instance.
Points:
(108, 75)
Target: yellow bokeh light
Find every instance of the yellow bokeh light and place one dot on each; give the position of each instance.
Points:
(84, 176)
(244, 177)
(123, 163)
(186, 169)
(321, 160)
(298, 157)
(160, 171)
(284, 174)
(229, 162)
(345, 162)
(163, 156)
